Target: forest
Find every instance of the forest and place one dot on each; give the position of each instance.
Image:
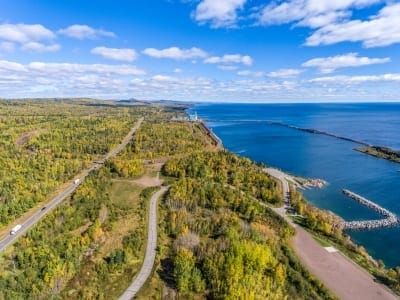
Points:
(92, 245)
(220, 242)
(46, 143)
(218, 236)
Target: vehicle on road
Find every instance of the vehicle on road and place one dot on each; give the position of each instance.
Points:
(15, 229)
(43, 208)
(76, 181)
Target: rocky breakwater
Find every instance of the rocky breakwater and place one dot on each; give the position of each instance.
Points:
(390, 219)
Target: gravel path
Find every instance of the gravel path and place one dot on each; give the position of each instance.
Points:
(342, 276)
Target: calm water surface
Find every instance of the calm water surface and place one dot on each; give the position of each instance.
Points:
(243, 129)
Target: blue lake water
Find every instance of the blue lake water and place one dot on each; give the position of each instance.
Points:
(243, 129)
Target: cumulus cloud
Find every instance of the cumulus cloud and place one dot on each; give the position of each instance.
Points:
(284, 73)
(175, 53)
(164, 78)
(45, 68)
(331, 63)
(228, 59)
(128, 55)
(380, 30)
(24, 33)
(123, 70)
(221, 13)
(39, 47)
(343, 79)
(39, 79)
(333, 21)
(64, 79)
(82, 32)
(248, 73)
(313, 13)
(29, 36)
(281, 73)
(6, 66)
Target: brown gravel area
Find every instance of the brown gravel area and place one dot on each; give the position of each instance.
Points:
(342, 276)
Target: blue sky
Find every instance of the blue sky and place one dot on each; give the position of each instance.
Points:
(204, 50)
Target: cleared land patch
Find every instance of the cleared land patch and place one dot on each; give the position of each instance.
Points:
(24, 138)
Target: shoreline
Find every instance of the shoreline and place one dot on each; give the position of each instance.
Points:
(211, 134)
(298, 185)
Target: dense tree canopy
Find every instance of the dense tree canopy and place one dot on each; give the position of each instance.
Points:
(225, 243)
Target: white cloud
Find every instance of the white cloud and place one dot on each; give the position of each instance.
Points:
(64, 79)
(230, 59)
(29, 36)
(227, 68)
(164, 78)
(331, 63)
(82, 32)
(333, 23)
(249, 73)
(178, 70)
(284, 73)
(39, 79)
(7, 47)
(176, 53)
(281, 73)
(220, 13)
(380, 30)
(11, 66)
(343, 79)
(312, 13)
(68, 68)
(128, 55)
(24, 33)
(39, 47)
(57, 68)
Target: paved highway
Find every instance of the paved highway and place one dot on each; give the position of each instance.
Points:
(25, 226)
(150, 255)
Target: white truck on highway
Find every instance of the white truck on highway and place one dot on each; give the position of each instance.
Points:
(15, 229)
(77, 181)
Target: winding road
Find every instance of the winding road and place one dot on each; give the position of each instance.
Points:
(340, 274)
(150, 255)
(25, 226)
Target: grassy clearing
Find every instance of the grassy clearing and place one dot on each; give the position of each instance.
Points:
(125, 193)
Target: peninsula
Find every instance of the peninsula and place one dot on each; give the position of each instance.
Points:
(380, 152)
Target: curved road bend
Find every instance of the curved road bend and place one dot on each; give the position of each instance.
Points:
(150, 255)
(8, 240)
(338, 273)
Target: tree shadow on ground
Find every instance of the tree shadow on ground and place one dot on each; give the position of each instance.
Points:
(166, 272)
